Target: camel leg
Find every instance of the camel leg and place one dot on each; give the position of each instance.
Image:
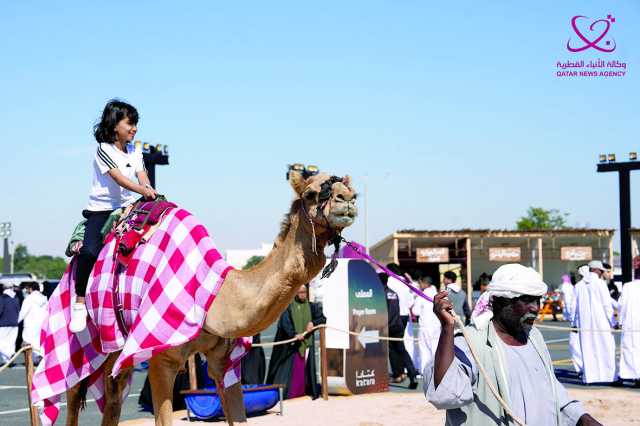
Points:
(113, 390)
(232, 402)
(231, 398)
(162, 376)
(74, 401)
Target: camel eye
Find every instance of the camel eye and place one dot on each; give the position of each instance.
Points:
(310, 195)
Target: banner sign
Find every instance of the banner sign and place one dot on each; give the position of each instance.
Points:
(432, 255)
(366, 362)
(576, 253)
(354, 299)
(504, 254)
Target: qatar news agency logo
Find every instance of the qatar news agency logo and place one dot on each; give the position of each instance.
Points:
(591, 36)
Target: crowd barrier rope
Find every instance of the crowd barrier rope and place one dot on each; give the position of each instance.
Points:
(28, 364)
(587, 330)
(415, 339)
(14, 357)
(318, 327)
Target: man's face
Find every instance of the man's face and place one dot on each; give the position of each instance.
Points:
(301, 295)
(447, 281)
(598, 272)
(517, 314)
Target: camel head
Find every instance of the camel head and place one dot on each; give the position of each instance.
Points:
(328, 201)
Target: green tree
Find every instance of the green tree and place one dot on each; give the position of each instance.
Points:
(20, 258)
(43, 266)
(540, 218)
(252, 261)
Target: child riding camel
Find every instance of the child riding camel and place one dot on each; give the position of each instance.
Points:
(115, 166)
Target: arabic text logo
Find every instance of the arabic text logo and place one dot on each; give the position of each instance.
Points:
(605, 25)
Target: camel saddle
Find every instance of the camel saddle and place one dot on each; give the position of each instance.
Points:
(138, 223)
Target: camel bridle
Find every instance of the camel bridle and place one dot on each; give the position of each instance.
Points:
(324, 199)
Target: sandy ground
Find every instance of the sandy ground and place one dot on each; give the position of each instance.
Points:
(612, 407)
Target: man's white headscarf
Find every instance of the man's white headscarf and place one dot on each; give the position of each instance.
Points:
(584, 271)
(509, 281)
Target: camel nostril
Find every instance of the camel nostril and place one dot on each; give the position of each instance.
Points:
(340, 197)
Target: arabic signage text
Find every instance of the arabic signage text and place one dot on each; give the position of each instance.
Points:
(576, 253)
(504, 254)
(432, 255)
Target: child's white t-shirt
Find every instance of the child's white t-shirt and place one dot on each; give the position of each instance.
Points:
(106, 194)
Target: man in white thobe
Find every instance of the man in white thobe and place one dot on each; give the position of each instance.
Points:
(429, 323)
(513, 354)
(32, 313)
(569, 307)
(630, 320)
(594, 311)
(405, 296)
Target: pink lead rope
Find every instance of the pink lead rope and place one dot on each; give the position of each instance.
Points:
(389, 272)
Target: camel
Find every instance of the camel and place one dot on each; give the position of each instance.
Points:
(247, 303)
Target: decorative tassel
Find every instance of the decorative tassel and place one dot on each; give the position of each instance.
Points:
(333, 264)
(314, 243)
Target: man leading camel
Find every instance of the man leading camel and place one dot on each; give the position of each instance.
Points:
(512, 352)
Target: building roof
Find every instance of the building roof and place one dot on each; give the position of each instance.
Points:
(509, 232)
(495, 233)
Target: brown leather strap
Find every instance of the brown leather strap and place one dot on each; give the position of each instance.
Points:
(118, 308)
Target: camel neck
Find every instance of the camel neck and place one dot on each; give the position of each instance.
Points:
(295, 255)
(265, 291)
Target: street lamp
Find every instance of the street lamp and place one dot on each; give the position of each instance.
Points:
(623, 169)
(5, 233)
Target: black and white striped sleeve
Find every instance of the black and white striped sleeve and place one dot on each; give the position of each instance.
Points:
(104, 161)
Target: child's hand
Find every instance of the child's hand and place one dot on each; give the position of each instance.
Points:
(149, 193)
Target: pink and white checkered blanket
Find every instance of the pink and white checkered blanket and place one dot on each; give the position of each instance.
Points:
(166, 292)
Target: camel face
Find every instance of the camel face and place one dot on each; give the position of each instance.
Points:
(328, 200)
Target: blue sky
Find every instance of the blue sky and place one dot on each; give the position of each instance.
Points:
(452, 113)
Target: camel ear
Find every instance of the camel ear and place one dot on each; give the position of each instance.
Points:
(346, 180)
(297, 182)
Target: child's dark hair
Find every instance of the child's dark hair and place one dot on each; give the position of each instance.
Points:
(114, 111)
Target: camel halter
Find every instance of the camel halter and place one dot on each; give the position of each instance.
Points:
(324, 196)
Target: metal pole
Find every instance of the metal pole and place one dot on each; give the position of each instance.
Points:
(366, 203)
(625, 224)
(6, 257)
(151, 172)
(323, 364)
(540, 259)
(469, 275)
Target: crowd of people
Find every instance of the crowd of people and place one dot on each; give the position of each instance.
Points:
(408, 360)
(22, 310)
(595, 310)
